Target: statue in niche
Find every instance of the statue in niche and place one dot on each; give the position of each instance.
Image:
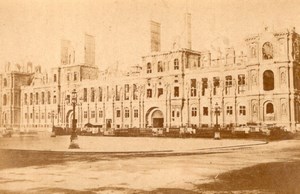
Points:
(254, 108)
(283, 109)
(283, 78)
(254, 79)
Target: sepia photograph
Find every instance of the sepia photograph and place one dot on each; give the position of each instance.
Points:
(149, 96)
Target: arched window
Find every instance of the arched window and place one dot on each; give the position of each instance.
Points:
(5, 82)
(268, 80)
(149, 68)
(4, 99)
(176, 64)
(267, 51)
(269, 108)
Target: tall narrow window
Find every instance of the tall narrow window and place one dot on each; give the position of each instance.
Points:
(43, 98)
(48, 97)
(176, 91)
(126, 113)
(25, 99)
(31, 98)
(176, 64)
(54, 99)
(160, 67)
(54, 78)
(92, 95)
(241, 79)
(4, 82)
(117, 94)
(4, 99)
(149, 68)
(100, 113)
(136, 113)
(135, 92)
(126, 92)
(75, 76)
(118, 113)
(194, 111)
(193, 88)
(36, 98)
(268, 80)
(84, 94)
(204, 85)
(205, 111)
(149, 93)
(269, 108)
(216, 82)
(100, 94)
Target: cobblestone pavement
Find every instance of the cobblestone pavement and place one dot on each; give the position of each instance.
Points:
(129, 165)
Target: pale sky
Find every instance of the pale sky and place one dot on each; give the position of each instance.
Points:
(31, 30)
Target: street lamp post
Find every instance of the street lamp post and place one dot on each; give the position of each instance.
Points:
(74, 137)
(217, 113)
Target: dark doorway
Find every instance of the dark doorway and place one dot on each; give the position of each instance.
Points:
(108, 123)
(158, 122)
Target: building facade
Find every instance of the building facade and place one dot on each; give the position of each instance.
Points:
(172, 89)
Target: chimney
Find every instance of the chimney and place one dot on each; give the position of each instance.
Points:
(187, 31)
(89, 50)
(155, 36)
(65, 52)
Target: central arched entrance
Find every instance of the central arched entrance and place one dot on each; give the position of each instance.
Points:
(157, 119)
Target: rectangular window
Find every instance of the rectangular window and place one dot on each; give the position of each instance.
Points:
(136, 113)
(194, 111)
(30, 115)
(54, 78)
(118, 113)
(176, 91)
(117, 94)
(43, 115)
(135, 92)
(126, 113)
(149, 93)
(85, 114)
(49, 97)
(160, 92)
(178, 113)
(241, 79)
(205, 111)
(193, 88)
(100, 113)
(75, 76)
(93, 114)
(229, 110)
(173, 113)
(228, 81)
(242, 110)
(84, 94)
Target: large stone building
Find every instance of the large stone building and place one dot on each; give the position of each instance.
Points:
(180, 87)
